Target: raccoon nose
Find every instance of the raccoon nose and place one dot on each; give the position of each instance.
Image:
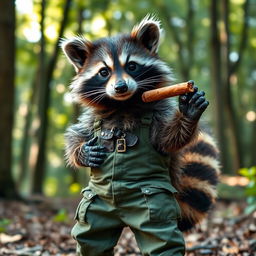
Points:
(121, 87)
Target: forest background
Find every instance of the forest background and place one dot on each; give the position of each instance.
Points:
(210, 41)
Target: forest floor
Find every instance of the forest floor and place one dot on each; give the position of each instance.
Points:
(43, 228)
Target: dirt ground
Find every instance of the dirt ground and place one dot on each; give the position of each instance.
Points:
(43, 228)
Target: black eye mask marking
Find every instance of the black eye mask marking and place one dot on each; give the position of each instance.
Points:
(104, 73)
(145, 75)
(133, 68)
(94, 88)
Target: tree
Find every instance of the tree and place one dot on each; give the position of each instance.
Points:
(227, 115)
(216, 78)
(229, 70)
(7, 72)
(39, 173)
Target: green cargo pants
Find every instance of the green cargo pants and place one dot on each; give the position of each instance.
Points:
(131, 188)
(150, 212)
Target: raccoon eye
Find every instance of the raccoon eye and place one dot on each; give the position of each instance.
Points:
(104, 72)
(132, 66)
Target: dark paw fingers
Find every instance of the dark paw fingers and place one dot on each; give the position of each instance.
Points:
(196, 96)
(199, 101)
(185, 98)
(94, 155)
(97, 148)
(95, 160)
(93, 165)
(98, 154)
(203, 106)
(91, 142)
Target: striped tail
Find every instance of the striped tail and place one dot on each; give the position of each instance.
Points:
(198, 180)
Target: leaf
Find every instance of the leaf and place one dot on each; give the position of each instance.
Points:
(244, 172)
(61, 216)
(4, 238)
(250, 209)
(4, 223)
(74, 188)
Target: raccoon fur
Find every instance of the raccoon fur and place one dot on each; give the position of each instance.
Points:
(112, 74)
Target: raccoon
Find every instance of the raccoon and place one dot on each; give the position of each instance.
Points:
(111, 75)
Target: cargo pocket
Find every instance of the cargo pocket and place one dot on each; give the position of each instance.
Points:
(82, 208)
(161, 203)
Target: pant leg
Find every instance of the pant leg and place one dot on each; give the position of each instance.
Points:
(152, 215)
(97, 229)
(156, 239)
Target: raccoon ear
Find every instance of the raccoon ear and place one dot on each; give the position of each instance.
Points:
(76, 50)
(148, 32)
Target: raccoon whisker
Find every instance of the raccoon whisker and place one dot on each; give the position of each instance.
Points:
(99, 89)
(150, 78)
(147, 86)
(153, 77)
(97, 99)
(144, 72)
(93, 92)
(149, 81)
(91, 102)
(160, 75)
(96, 92)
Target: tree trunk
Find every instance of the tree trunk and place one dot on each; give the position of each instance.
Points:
(181, 51)
(217, 81)
(233, 112)
(185, 47)
(41, 98)
(25, 143)
(39, 173)
(191, 35)
(228, 94)
(7, 73)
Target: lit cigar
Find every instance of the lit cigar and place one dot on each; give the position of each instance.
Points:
(169, 91)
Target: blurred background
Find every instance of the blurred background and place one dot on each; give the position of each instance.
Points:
(212, 42)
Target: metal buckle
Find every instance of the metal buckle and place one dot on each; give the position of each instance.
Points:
(121, 145)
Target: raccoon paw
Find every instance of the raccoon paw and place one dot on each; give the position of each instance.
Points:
(193, 104)
(93, 155)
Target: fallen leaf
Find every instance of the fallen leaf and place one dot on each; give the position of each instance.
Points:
(4, 238)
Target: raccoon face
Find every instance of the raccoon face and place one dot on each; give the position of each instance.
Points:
(114, 70)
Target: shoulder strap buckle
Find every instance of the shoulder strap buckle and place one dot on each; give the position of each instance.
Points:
(147, 118)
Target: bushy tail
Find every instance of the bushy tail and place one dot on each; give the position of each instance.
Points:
(198, 180)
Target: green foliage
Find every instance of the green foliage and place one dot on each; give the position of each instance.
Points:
(250, 173)
(74, 188)
(61, 216)
(51, 186)
(231, 192)
(103, 18)
(4, 223)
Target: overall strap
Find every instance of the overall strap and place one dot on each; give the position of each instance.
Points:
(97, 125)
(146, 119)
